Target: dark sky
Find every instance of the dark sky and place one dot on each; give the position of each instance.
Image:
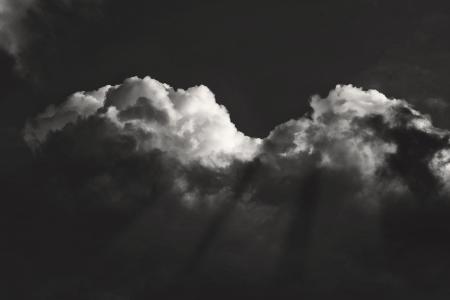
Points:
(263, 61)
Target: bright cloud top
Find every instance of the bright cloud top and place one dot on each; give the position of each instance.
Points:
(191, 126)
(187, 124)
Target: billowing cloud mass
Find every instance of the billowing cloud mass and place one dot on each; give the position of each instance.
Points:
(191, 126)
(167, 182)
(187, 124)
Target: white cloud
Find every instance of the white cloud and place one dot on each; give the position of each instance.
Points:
(54, 118)
(347, 100)
(334, 133)
(191, 125)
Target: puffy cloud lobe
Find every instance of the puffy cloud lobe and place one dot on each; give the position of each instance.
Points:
(186, 124)
(352, 102)
(333, 131)
(79, 105)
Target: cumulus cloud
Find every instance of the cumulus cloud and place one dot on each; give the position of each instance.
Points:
(350, 128)
(166, 168)
(333, 130)
(187, 124)
(79, 105)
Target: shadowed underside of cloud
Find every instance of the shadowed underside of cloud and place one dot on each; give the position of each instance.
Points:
(178, 197)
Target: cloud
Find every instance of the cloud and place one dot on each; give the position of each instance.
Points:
(187, 124)
(16, 32)
(349, 129)
(440, 166)
(79, 105)
(168, 181)
(12, 31)
(334, 133)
